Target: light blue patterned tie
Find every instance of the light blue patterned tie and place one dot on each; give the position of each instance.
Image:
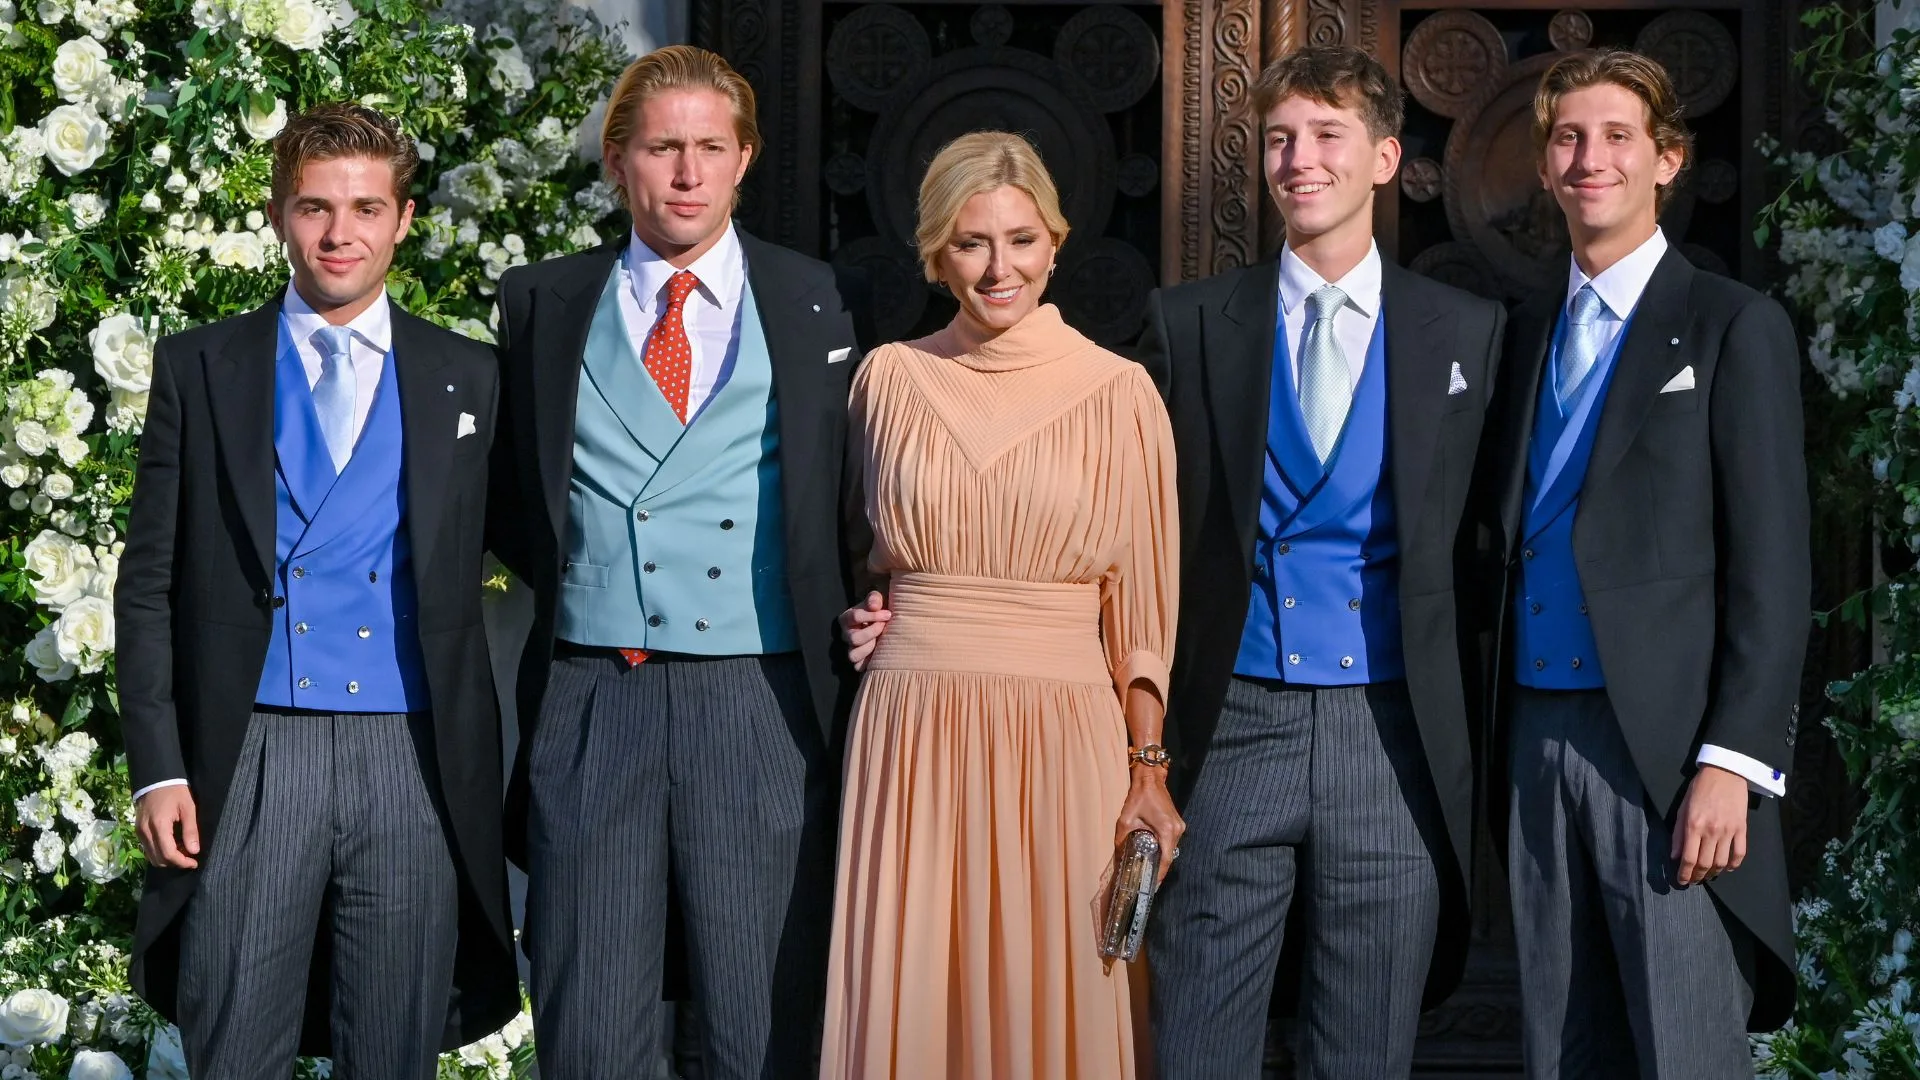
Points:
(1326, 385)
(333, 394)
(1582, 345)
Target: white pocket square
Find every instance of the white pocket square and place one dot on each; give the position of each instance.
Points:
(834, 356)
(1681, 381)
(466, 425)
(1456, 382)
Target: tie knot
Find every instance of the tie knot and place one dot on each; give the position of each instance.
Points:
(1324, 301)
(1587, 305)
(680, 286)
(335, 342)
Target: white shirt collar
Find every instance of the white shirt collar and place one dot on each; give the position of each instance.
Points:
(721, 270)
(1361, 284)
(1620, 285)
(373, 326)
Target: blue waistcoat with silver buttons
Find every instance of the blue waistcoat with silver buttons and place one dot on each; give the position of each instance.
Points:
(346, 636)
(675, 537)
(1324, 608)
(1554, 647)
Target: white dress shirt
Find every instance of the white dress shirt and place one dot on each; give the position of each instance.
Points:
(711, 313)
(1619, 287)
(1352, 325)
(372, 337)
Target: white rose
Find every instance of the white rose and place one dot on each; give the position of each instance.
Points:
(72, 448)
(165, 1059)
(19, 500)
(36, 811)
(98, 857)
(40, 505)
(241, 250)
(99, 1064)
(160, 154)
(190, 197)
(514, 244)
(57, 486)
(75, 137)
(33, 1016)
(123, 353)
(31, 437)
(85, 633)
(15, 474)
(256, 220)
(150, 202)
(61, 569)
(176, 182)
(302, 26)
(81, 71)
(105, 578)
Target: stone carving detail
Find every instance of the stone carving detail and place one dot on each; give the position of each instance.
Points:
(845, 174)
(991, 25)
(1420, 179)
(1570, 31)
(1113, 54)
(1450, 58)
(1698, 52)
(1188, 238)
(1493, 197)
(1326, 22)
(1103, 289)
(1715, 180)
(899, 291)
(1459, 264)
(1138, 174)
(874, 52)
(1235, 227)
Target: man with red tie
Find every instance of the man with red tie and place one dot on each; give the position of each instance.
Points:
(668, 481)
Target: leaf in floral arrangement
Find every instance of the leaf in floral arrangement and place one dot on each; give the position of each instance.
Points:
(188, 90)
(79, 707)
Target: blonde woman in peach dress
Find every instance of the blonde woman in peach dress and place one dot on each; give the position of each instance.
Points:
(1020, 486)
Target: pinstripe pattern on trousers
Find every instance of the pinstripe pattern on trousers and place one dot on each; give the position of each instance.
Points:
(1612, 954)
(707, 776)
(1319, 795)
(330, 817)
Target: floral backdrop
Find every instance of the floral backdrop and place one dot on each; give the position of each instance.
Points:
(1848, 226)
(134, 169)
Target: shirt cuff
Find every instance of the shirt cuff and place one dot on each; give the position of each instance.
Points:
(155, 787)
(1762, 778)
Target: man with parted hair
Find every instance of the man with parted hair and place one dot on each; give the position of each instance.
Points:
(304, 687)
(669, 483)
(1327, 409)
(1653, 512)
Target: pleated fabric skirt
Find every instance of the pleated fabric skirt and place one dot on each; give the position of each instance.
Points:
(986, 767)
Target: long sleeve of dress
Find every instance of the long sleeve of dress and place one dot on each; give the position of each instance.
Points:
(1140, 593)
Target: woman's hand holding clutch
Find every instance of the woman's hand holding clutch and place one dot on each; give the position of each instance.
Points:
(1150, 807)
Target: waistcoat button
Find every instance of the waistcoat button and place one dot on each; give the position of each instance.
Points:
(1539, 665)
(727, 524)
(373, 575)
(1534, 607)
(641, 515)
(702, 625)
(279, 602)
(299, 628)
(1576, 663)
(304, 682)
(654, 620)
(353, 688)
(1528, 553)
(1346, 661)
(1353, 604)
(713, 572)
(365, 632)
(1285, 548)
(649, 568)
(1288, 602)
(299, 571)
(1293, 658)
(1583, 609)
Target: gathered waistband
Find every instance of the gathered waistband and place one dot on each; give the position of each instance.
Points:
(993, 626)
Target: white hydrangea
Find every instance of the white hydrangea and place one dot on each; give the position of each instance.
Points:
(472, 188)
(87, 208)
(64, 760)
(510, 73)
(48, 851)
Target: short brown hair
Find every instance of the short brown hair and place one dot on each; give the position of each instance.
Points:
(977, 163)
(1341, 76)
(678, 67)
(342, 129)
(1643, 77)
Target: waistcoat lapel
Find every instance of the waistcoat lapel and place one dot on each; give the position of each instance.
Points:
(741, 408)
(1288, 447)
(1358, 456)
(375, 458)
(299, 449)
(618, 372)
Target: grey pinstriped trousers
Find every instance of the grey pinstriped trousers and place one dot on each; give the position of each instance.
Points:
(1623, 974)
(333, 815)
(707, 776)
(1315, 795)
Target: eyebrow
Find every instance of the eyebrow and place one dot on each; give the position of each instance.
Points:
(1323, 122)
(317, 201)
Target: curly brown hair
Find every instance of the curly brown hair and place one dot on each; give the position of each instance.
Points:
(342, 129)
(1340, 76)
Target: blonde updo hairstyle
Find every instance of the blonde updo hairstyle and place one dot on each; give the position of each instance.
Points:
(973, 165)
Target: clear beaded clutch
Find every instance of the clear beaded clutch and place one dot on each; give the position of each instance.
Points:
(1136, 871)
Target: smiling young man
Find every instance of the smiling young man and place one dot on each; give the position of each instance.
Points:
(1327, 408)
(669, 484)
(1654, 506)
(311, 729)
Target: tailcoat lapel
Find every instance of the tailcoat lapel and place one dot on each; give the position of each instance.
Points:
(570, 302)
(1417, 376)
(240, 391)
(1532, 336)
(789, 303)
(1239, 368)
(1649, 356)
(429, 423)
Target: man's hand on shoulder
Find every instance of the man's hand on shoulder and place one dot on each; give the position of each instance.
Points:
(169, 827)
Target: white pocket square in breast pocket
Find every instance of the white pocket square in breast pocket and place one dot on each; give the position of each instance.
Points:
(466, 426)
(1456, 382)
(1681, 381)
(834, 356)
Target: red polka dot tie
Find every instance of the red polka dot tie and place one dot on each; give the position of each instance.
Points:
(669, 356)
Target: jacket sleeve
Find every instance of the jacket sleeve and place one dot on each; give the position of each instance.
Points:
(143, 594)
(506, 503)
(1762, 522)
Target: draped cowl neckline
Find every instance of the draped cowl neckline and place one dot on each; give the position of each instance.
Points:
(1043, 336)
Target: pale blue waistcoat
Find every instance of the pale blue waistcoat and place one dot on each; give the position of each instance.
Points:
(346, 633)
(675, 535)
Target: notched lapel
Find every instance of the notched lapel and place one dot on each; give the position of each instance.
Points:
(1237, 348)
(804, 385)
(1531, 334)
(429, 418)
(1647, 359)
(564, 310)
(1417, 375)
(240, 375)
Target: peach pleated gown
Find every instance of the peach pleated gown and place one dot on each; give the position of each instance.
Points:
(1022, 504)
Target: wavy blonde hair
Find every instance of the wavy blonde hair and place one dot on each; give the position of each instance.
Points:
(972, 165)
